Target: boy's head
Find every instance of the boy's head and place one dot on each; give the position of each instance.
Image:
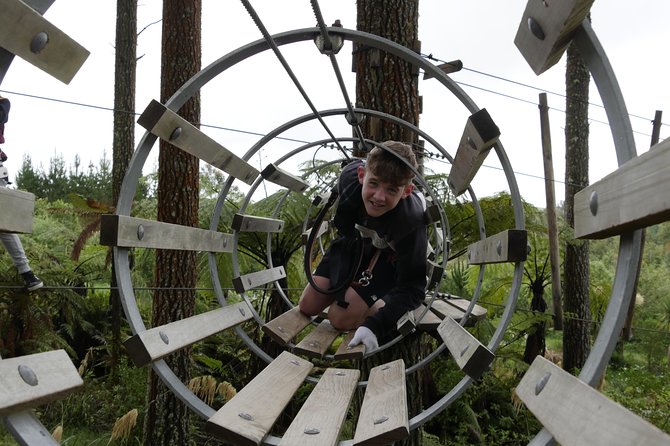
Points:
(385, 178)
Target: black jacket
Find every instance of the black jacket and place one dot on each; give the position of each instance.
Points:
(405, 229)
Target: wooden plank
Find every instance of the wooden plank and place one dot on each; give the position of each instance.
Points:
(406, 324)
(471, 356)
(344, 352)
(320, 419)
(478, 312)
(25, 33)
(176, 130)
(443, 310)
(254, 280)
(32, 380)
(383, 418)
(247, 418)
(252, 223)
(632, 197)
(506, 246)
(22, 205)
(577, 414)
(434, 271)
(429, 322)
(322, 230)
(286, 327)
(480, 134)
(546, 29)
(158, 342)
(281, 177)
(132, 232)
(316, 343)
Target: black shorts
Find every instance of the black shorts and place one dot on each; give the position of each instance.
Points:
(383, 274)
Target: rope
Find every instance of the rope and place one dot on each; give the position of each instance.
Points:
(282, 60)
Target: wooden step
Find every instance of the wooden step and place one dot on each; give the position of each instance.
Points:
(286, 327)
(321, 417)
(317, 342)
(344, 352)
(471, 355)
(155, 343)
(383, 418)
(577, 414)
(32, 380)
(248, 417)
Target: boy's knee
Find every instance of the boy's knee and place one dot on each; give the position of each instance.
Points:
(341, 321)
(306, 308)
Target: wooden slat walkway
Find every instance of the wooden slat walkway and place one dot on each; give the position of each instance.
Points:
(32, 380)
(321, 417)
(132, 232)
(158, 342)
(383, 418)
(472, 356)
(248, 417)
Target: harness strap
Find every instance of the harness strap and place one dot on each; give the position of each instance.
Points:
(366, 276)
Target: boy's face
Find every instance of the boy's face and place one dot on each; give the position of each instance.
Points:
(379, 197)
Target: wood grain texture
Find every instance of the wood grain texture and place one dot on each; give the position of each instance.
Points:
(344, 352)
(248, 417)
(60, 57)
(479, 135)
(132, 232)
(254, 280)
(632, 197)
(471, 355)
(430, 321)
(506, 246)
(577, 414)
(169, 126)
(320, 419)
(252, 223)
(22, 206)
(276, 175)
(383, 418)
(317, 342)
(32, 380)
(158, 342)
(286, 326)
(546, 29)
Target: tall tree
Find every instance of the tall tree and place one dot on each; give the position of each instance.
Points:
(383, 82)
(167, 419)
(125, 68)
(576, 306)
(386, 83)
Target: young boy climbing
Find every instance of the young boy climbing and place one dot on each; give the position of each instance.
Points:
(378, 203)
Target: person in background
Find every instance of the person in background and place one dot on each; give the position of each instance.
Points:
(378, 203)
(12, 242)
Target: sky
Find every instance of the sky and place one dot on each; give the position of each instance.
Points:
(51, 119)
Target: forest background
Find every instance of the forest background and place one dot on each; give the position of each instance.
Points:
(72, 312)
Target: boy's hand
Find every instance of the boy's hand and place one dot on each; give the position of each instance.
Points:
(366, 337)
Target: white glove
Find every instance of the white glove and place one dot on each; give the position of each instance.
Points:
(366, 337)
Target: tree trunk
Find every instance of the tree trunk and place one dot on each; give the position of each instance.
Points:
(384, 82)
(124, 138)
(388, 84)
(577, 313)
(167, 419)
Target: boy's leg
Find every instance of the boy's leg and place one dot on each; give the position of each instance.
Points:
(15, 249)
(312, 302)
(351, 317)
